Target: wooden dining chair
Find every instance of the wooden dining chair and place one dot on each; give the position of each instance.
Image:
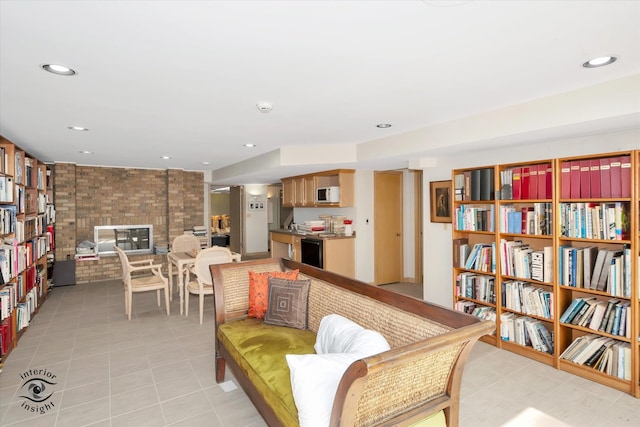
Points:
(141, 276)
(203, 283)
(187, 243)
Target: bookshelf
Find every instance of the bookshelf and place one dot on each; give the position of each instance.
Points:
(475, 286)
(27, 214)
(566, 268)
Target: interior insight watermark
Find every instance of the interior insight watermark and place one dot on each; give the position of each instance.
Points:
(38, 385)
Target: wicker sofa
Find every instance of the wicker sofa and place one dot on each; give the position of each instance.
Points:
(416, 380)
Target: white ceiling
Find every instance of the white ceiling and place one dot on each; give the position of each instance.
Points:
(183, 78)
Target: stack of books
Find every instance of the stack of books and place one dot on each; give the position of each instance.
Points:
(200, 231)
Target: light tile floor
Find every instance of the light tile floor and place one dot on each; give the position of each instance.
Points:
(158, 371)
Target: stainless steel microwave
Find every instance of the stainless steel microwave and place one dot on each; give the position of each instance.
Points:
(328, 194)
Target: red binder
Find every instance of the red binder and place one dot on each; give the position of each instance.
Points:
(575, 179)
(542, 181)
(616, 186)
(565, 179)
(605, 178)
(516, 182)
(595, 178)
(625, 176)
(549, 185)
(533, 182)
(524, 184)
(585, 179)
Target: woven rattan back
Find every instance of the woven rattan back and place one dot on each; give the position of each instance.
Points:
(185, 243)
(397, 326)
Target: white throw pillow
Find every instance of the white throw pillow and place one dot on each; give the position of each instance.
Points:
(334, 334)
(337, 334)
(314, 382)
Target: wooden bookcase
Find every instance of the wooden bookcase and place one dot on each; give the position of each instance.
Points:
(543, 227)
(26, 215)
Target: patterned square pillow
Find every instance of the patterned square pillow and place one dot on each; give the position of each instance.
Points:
(288, 302)
(259, 287)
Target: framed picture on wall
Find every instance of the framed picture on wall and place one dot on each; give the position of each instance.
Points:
(440, 192)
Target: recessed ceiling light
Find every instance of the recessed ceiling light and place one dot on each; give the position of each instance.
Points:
(205, 163)
(600, 61)
(165, 157)
(383, 125)
(78, 128)
(58, 69)
(85, 152)
(249, 145)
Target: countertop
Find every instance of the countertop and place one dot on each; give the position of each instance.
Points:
(314, 236)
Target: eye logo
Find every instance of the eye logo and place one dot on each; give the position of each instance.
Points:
(36, 389)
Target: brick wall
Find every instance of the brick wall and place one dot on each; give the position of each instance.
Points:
(88, 196)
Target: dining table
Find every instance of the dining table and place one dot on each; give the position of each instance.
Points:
(183, 262)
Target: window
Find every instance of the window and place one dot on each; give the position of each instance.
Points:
(133, 239)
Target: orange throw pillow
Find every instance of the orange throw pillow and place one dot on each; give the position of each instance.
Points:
(259, 290)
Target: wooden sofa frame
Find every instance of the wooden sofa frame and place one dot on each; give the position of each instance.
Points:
(368, 379)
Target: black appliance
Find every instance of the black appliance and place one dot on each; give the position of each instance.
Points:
(312, 250)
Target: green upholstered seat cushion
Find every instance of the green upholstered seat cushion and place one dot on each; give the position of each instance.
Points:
(436, 420)
(260, 350)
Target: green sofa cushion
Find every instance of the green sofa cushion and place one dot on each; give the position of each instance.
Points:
(260, 350)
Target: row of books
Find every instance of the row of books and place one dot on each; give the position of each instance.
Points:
(608, 177)
(481, 311)
(604, 354)
(606, 270)
(607, 221)
(8, 300)
(6, 189)
(535, 220)
(24, 310)
(526, 331)
(527, 182)
(476, 286)
(8, 216)
(15, 258)
(6, 336)
(481, 258)
(474, 218)
(527, 299)
(476, 184)
(611, 317)
(518, 259)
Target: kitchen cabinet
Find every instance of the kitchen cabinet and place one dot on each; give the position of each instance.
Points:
(286, 245)
(300, 191)
(338, 252)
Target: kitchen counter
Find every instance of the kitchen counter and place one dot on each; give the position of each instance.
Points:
(314, 236)
(338, 251)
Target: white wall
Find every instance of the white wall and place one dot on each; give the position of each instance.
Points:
(438, 280)
(256, 228)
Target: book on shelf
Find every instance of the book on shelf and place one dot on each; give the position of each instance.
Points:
(458, 187)
(575, 179)
(525, 184)
(614, 173)
(565, 179)
(625, 176)
(585, 179)
(460, 252)
(542, 181)
(516, 183)
(594, 177)
(487, 184)
(598, 314)
(597, 269)
(606, 268)
(605, 178)
(476, 185)
(533, 182)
